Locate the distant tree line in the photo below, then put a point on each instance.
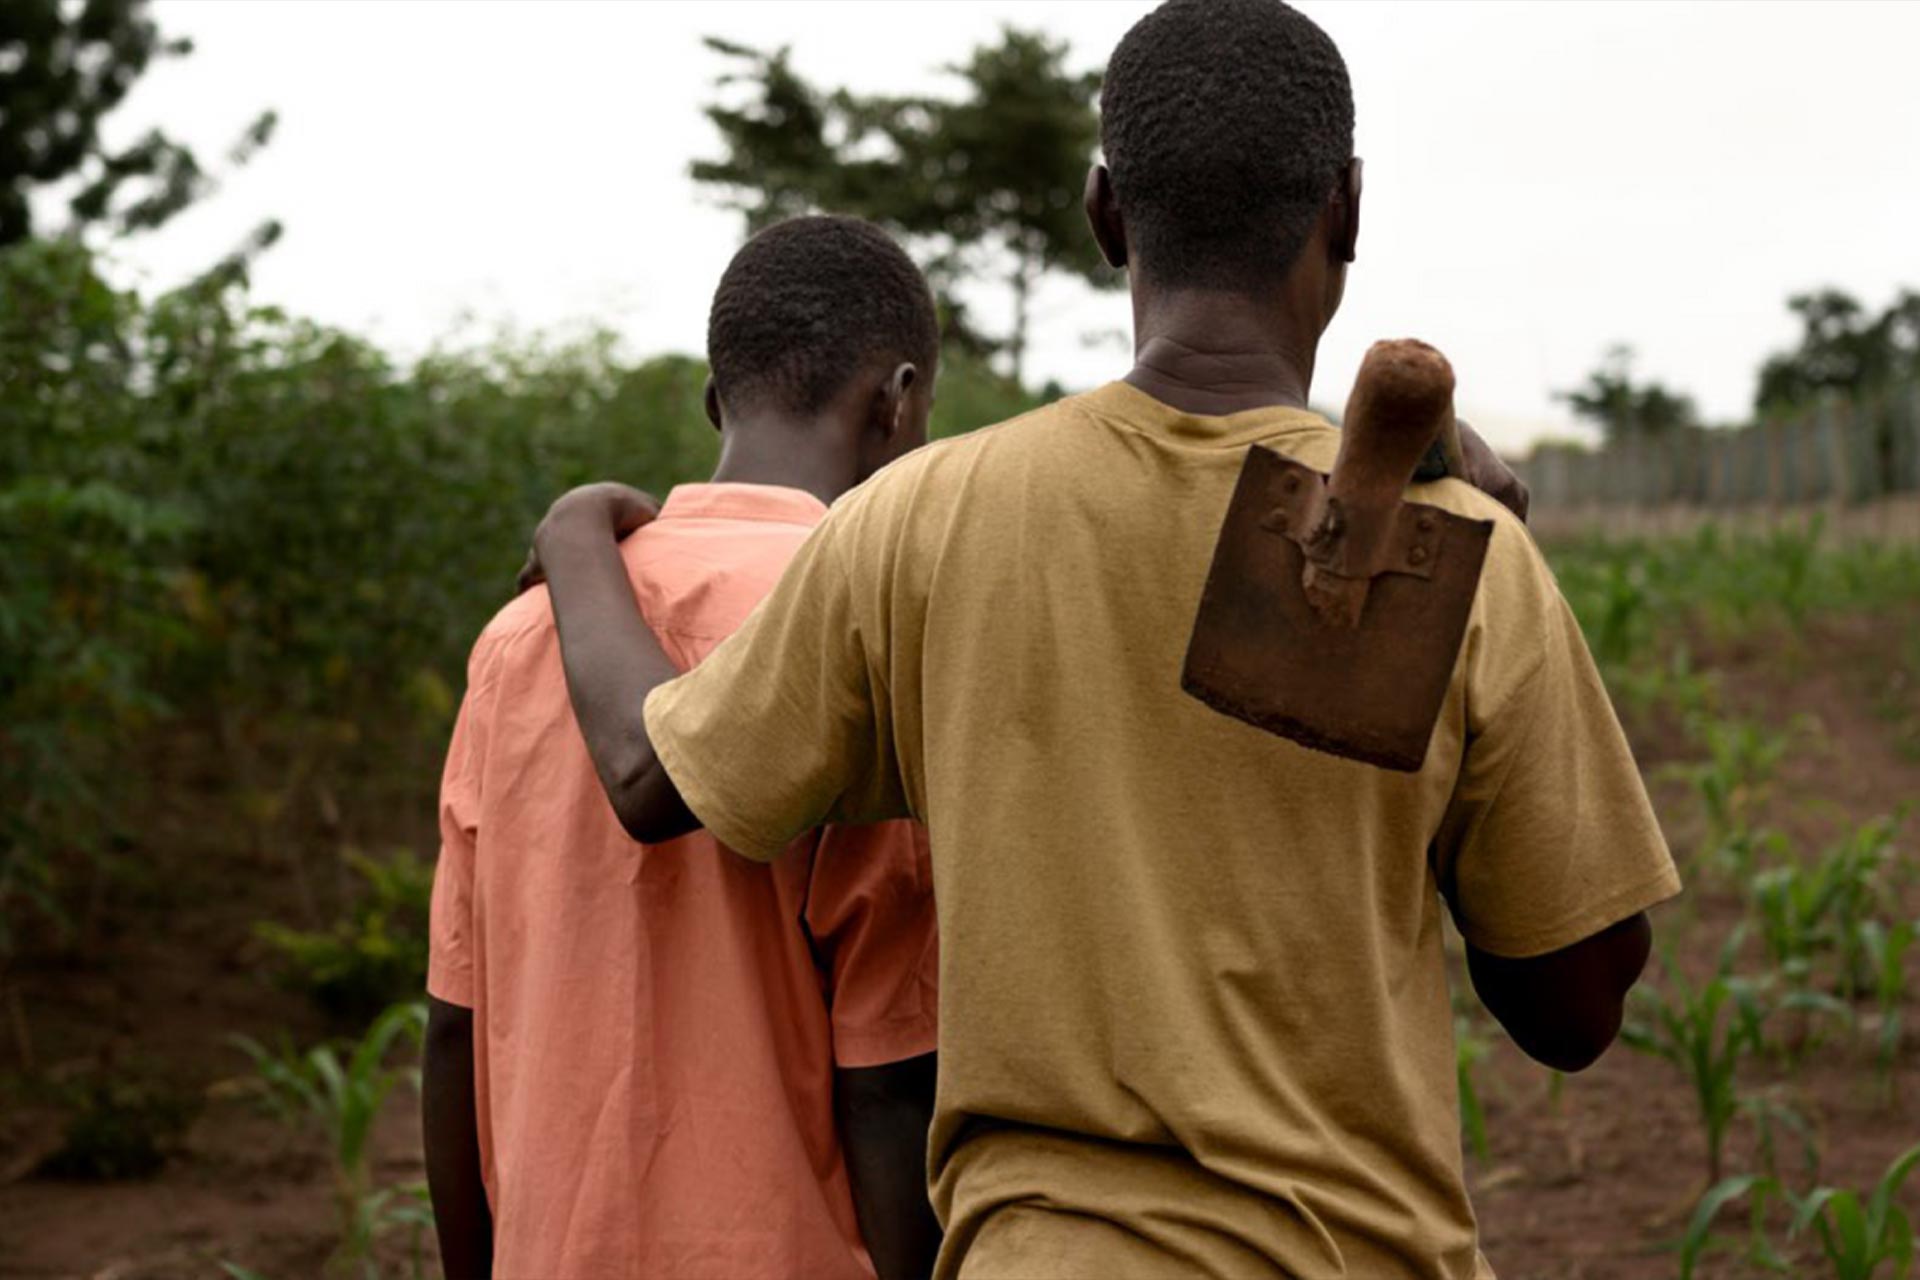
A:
(1845, 349)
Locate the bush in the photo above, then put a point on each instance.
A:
(266, 530)
(119, 1126)
(374, 957)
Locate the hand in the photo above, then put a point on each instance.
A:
(1491, 476)
(615, 508)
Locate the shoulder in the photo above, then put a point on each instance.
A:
(967, 449)
(1519, 619)
(1515, 564)
(528, 616)
(530, 611)
(924, 486)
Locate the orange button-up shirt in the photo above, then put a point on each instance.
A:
(656, 1027)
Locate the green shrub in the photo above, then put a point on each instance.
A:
(1685, 1026)
(119, 1126)
(341, 1097)
(270, 530)
(1862, 1237)
(374, 957)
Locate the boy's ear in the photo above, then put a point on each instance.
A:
(1103, 215)
(712, 398)
(1345, 240)
(891, 400)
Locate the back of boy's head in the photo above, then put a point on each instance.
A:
(808, 303)
(1225, 125)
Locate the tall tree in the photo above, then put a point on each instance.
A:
(992, 179)
(778, 160)
(64, 66)
(1843, 348)
(1623, 408)
(985, 183)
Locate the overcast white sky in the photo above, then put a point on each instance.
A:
(1542, 180)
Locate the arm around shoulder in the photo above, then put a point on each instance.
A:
(612, 661)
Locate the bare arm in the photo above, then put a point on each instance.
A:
(883, 1114)
(612, 659)
(451, 1128)
(1487, 473)
(1564, 1008)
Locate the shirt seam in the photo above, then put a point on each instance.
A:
(1590, 919)
(497, 640)
(718, 819)
(1235, 438)
(859, 1041)
(882, 689)
(1499, 781)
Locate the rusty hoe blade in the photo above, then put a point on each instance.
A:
(1334, 609)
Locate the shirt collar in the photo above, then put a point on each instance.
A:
(774, 503)
(1126, 405)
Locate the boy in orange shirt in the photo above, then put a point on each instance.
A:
(637, 1055)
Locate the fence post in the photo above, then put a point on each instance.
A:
(1839, 420)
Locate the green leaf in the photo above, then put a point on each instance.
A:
(1881, 1201)
(1700, 1225)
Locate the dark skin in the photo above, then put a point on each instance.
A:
(449, 1119)
(1206, 351)
(883, 1114)
(610, 655)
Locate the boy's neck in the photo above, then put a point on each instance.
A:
(786, 452)
(1212, 352)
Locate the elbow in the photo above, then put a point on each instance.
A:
(1571, 1048)
(643, 802)
(631, 807)
(1564, 1009)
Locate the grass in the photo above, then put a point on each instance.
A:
(1706, 1029)
(342, 1096)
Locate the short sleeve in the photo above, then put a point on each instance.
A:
(450, 956)
(870, 911)
(786, 724)
(1549, 837)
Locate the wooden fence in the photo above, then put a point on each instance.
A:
(1843, 454)
(1857, 461)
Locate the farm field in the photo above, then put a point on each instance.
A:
(1771, 689)
(291, 365)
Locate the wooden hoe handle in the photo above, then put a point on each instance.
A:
(1402, 400)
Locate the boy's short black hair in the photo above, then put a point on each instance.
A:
(1225, 125)
(808, 302)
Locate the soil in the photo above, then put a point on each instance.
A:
(1593, 1180)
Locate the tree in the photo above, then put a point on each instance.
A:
(1842, 349)
(1621, 407)
(994, 178)
(987, 183)
(63, 68)
(779, 162)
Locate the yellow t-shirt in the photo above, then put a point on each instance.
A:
(1193, 1010)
